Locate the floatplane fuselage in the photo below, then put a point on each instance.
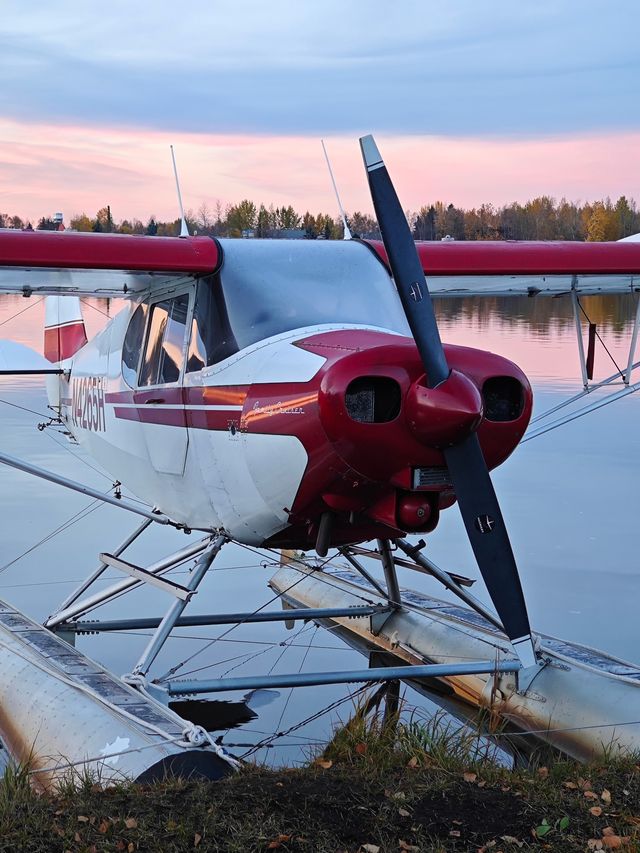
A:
(222, 405)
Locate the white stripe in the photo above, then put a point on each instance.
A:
(176, 406)
(62, 325)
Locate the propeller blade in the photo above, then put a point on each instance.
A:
(405, 264)
(467, 468)
(490, 541)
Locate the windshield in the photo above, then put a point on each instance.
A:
(274, 286)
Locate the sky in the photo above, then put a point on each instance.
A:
(469, 102)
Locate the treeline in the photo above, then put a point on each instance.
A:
(542, 218)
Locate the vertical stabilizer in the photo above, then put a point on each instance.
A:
(64, 332)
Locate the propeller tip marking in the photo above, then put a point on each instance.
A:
(370, 154)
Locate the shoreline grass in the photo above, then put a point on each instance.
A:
(379, 785)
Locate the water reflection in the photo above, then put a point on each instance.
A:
(568, 497)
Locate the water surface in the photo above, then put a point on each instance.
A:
(569, 499)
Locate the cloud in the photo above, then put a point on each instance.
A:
(306, 69)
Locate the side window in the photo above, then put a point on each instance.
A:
(162, 359)
(212, 339)
(132, 345)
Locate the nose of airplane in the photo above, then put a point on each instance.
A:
(443, 416)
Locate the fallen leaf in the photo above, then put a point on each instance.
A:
(510, 839)
(613, 842)
(361, 748)
(278, 842)
(321, 763)
(543, 772)
(120, 845)
(481, 784)
(605, 796)
(77, 837)
(404, 846)
(197, 838)
(82, 818)
(571, 785)
(399, 795)
(131, 823)
(487, 846)
(469, 777)
(370, 848)
(131, 847)
(594, 844)
(454, 833)
(104, 827)
(584, 784)
(590, 795)
(403, 813)
(412, 762)
(596, 811)
(608, 830)
(280, 785)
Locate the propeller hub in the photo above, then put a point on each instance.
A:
(443, 416)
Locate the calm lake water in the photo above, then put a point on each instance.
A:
(570, 499)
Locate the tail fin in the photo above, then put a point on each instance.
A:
(64, 332)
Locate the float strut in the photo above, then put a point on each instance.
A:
(168, 623)
(390, 576)
(303, 679)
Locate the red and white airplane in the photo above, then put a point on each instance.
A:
(296, 393)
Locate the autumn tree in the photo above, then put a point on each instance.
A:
(363, 225)
(81, 222)
(103, 222)
(241, 217)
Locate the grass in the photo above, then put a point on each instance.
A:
(380, 785)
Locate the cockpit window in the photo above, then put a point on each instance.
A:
(163, 355)
(132, 345)
(267, 287)
(211, 337)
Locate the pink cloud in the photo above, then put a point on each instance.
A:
(80, 169)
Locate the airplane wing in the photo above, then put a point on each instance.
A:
(79, 264)
(50, 262)
(513, 268)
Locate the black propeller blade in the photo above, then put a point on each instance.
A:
(469, 474)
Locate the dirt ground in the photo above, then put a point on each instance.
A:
(333, 806)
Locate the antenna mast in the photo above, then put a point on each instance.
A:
(184, 231)
(347, 233)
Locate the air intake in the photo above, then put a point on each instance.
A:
(502, 398)
(373, 399)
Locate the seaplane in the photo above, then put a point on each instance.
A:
(294, 395)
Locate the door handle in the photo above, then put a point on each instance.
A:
(154, 401)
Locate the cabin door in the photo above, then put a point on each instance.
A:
(159, 395)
